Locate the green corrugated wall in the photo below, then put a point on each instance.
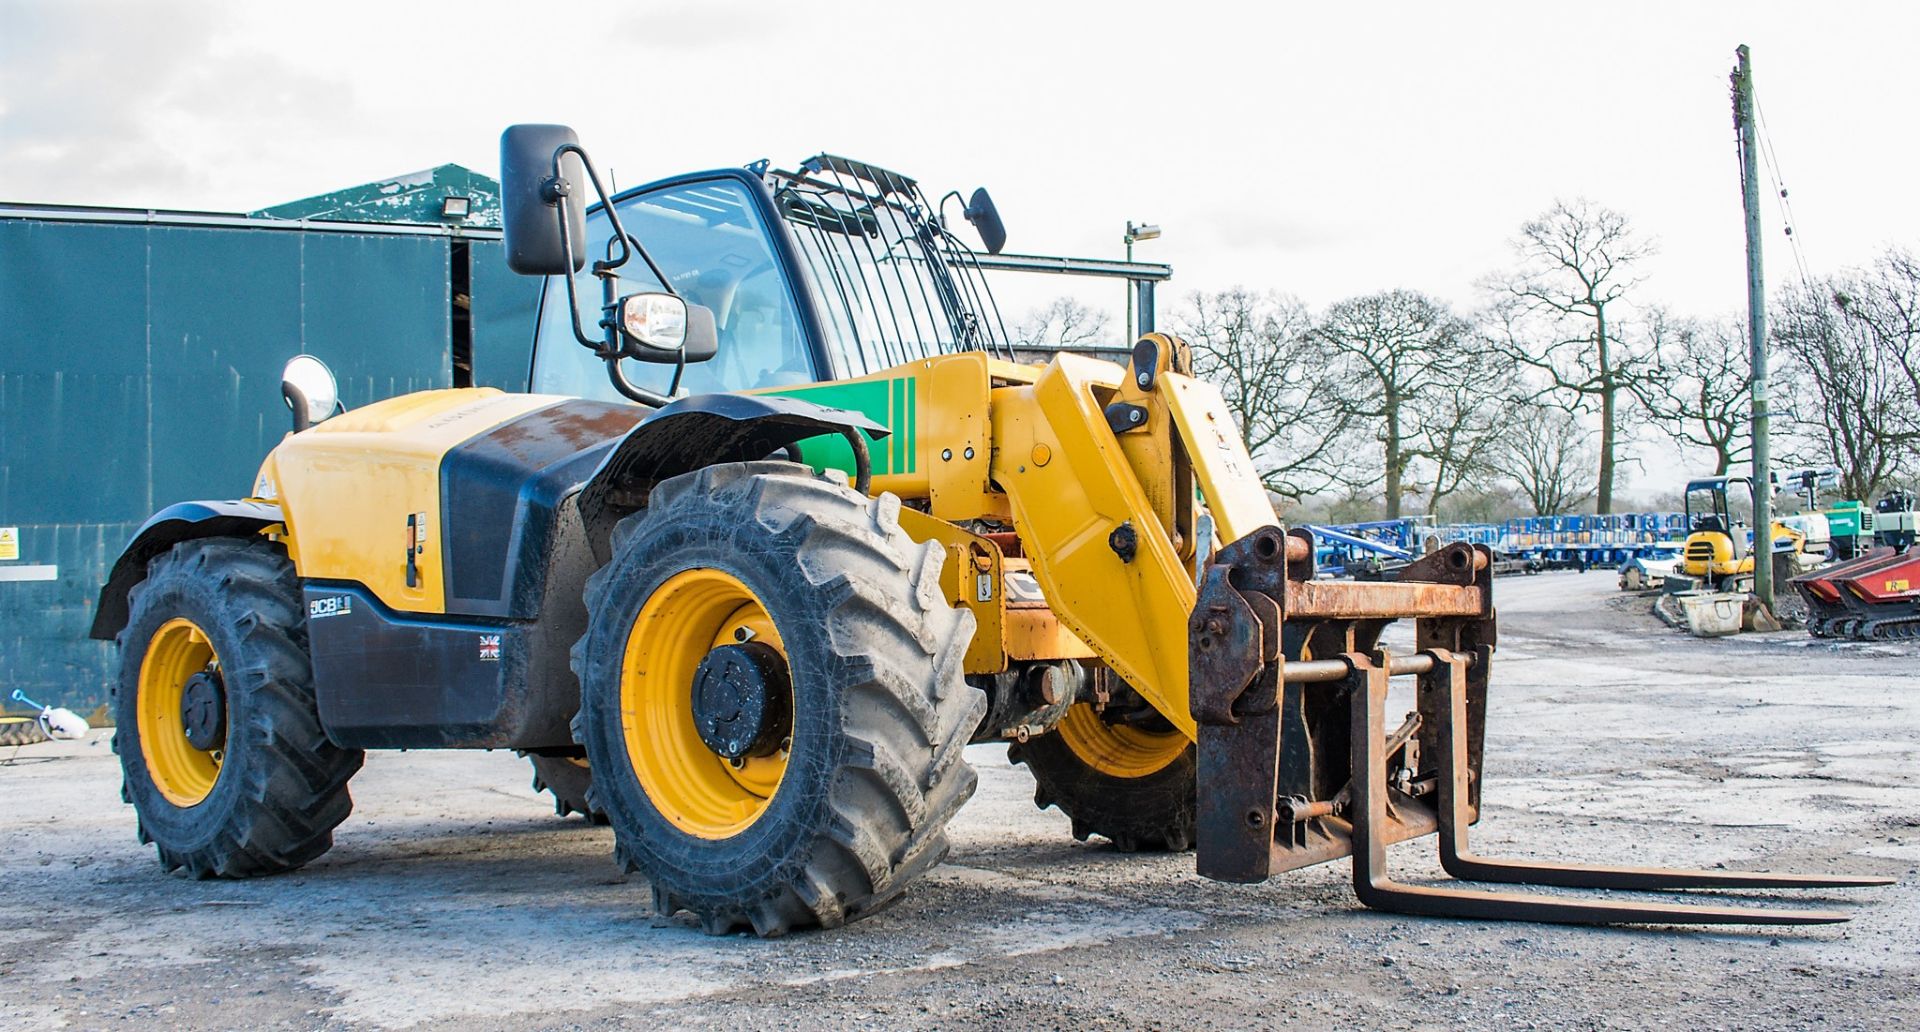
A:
(140, 366)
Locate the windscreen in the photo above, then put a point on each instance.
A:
(1711, 508)
(711, 243)
(891, 282)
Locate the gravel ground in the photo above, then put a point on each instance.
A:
(453, 899)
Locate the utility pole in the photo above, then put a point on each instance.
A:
(1746, 131)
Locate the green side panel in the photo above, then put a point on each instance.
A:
(893, 403)
(1844, 522)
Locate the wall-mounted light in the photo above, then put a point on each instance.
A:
(455, 207)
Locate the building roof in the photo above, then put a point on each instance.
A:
(417, 197)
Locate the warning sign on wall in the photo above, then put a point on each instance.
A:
(9, 542)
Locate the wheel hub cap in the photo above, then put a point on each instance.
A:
(741, 700)
(203, 711)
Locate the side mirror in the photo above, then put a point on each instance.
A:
(986, 221)
(667, 329)
(310, 391)
(539, 209)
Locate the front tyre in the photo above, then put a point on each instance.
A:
(1132, 785)
(772, 699)
(220, 744)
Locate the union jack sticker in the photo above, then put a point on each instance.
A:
(489, 648)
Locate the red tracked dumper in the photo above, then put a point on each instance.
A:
(1873, 597)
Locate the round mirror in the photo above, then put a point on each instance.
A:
(310, 390)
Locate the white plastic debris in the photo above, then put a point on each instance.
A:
(58, 722)
(63, 724)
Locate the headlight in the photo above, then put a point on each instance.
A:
(658, 321)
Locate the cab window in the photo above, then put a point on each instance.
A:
(712, 245)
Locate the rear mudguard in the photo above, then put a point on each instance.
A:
(181, 521)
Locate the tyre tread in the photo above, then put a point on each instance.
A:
(295, 792)
(906, 709)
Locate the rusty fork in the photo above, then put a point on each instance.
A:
(1446, 673)
(1296, 766)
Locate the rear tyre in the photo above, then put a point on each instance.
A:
(570, 780)
(822, 631)
(20, 731)
(1133, 786)
(219, 739)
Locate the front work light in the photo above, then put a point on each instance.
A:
(655, 320)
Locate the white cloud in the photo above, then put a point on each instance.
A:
(1323, 150)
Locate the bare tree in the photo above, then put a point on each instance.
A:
(1461, 427)
(1699, 390)
(1546, 456)
(1064, 324)
(1886, 300)
(1398, 351)
(1256, 348)
(1854, 402)
(1559, 313)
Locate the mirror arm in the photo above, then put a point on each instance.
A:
(606, 203)
(609, 348)
(630, 390)
(940, 210)
(629, 246)
(297, 401)
(599, 347)
(679, 370)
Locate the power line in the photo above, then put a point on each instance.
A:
(1781, 200)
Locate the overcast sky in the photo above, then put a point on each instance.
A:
(1319, 149)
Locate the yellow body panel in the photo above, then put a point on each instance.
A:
(1228, 480)
(1709, 553)
(1132, 614)
(1038, 634)
(953, 436)
(970, 557)
(348, 486)
(1149, 449)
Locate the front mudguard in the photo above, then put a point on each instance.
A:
(692, 433)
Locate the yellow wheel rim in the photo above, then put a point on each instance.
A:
(691, 614)
(183, 774)
(1117, 750)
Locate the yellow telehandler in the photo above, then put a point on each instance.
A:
(773, 539)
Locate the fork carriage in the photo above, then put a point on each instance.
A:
(1289, 690)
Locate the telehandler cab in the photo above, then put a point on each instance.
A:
(770, 544)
